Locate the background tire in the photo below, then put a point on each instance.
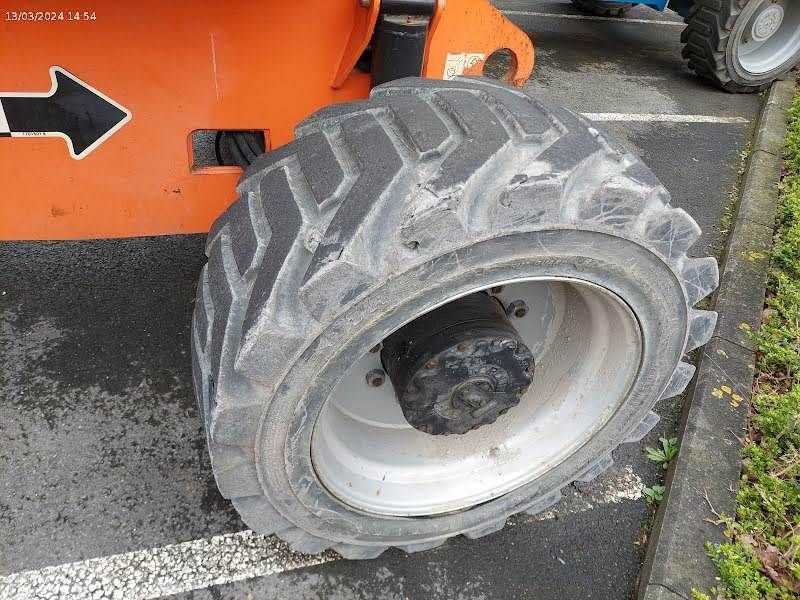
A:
(377, 212)
(736, 45)
(603, 9)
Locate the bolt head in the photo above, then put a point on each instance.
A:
(517, 308)
(375, 377)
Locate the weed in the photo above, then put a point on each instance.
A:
(654, 495)
(664, 454)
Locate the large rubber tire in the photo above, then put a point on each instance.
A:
(603, 9)
(377, 211)
(713, 34)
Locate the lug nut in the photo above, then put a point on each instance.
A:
(376, 377)
(517, 308)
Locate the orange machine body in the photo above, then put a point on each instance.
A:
(179, 67)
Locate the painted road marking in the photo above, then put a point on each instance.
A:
(178, 568)
(157, 572)
(528, 13)
(662, 118)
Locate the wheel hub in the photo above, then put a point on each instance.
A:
(588, 348)
(767, 23)
(458, 367)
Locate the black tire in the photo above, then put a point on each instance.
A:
(377, 207)
(603, 9)
(714, 30)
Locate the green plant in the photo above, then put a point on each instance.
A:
(654, 495)
(761, 560)
(664, 454)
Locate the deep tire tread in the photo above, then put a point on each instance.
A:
(297, 202)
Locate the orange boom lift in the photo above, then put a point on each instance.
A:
(175, 68)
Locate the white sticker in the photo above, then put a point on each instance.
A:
(456, 64)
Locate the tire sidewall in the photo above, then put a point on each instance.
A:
(624, 266)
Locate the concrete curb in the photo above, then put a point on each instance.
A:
(706, 472)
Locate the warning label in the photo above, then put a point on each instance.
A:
(456, 64)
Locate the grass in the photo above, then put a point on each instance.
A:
(761, 559)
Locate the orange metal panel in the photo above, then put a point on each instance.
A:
(363, 26)
(176, 67)
(179, 67)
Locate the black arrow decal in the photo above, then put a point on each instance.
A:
(72, 109)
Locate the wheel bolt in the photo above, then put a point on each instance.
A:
(517, 308)
(376, 377)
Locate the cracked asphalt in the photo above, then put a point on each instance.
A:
(101, 450)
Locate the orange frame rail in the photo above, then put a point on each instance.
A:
(181, 67)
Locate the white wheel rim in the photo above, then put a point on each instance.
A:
(588, 347)
(770, 37)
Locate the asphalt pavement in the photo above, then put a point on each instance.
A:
(101, 451)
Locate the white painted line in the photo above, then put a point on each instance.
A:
(527, 13)
(157, 572)
(178, 568)
(662, 118)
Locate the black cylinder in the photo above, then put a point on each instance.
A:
(399, 47)
(459, 366)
